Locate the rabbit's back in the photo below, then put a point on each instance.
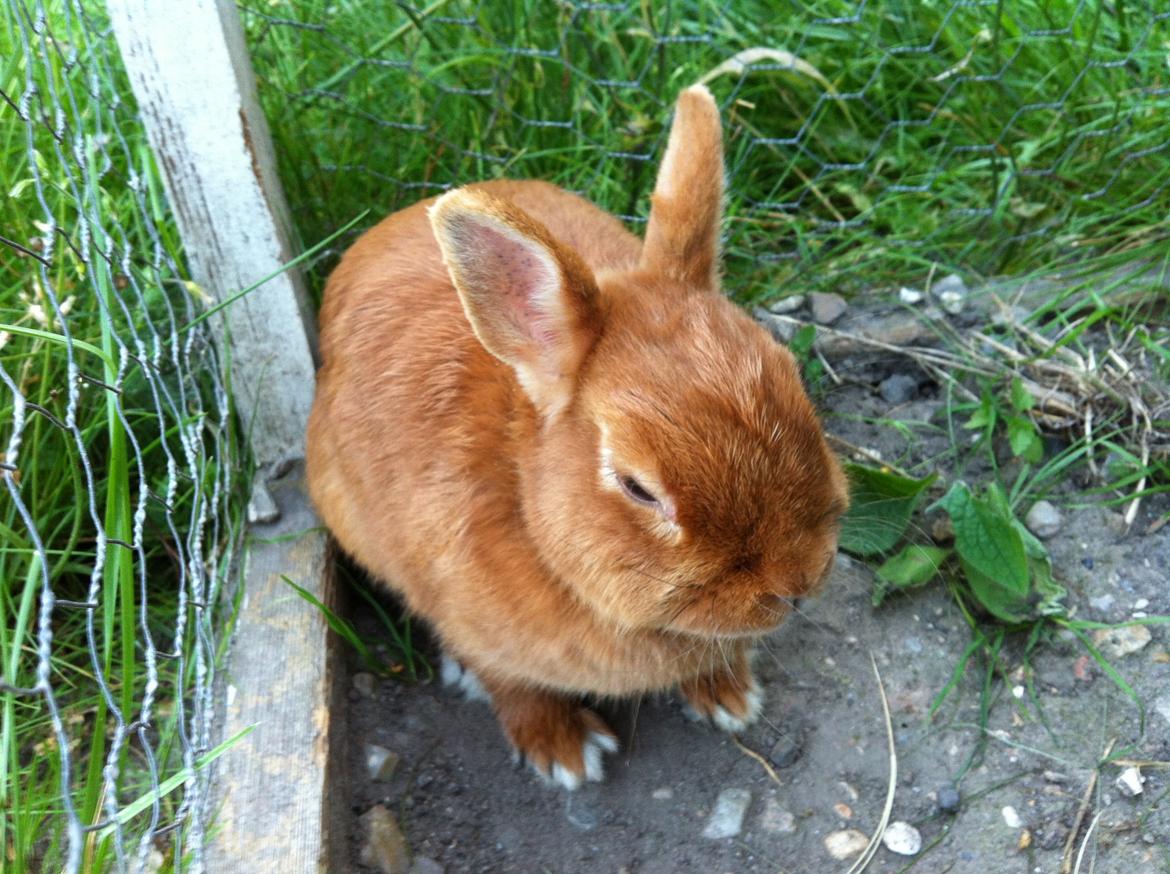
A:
(409, 436)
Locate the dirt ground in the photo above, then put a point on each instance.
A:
(988, 801)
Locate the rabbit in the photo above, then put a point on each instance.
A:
(593, 474)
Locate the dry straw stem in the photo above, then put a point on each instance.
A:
(1066, 866)
(874, 842)
(1072, 392)
(750, 753)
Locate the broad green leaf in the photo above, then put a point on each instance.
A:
(914, 566)
(1006, 567)
(880, 508)
(986, 539)
(1021, 398)
(984, 417)
(1024, 439)
(1000, 602)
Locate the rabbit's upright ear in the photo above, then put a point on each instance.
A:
(531, 301)
(682, 237)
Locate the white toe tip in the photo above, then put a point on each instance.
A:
(564, 777)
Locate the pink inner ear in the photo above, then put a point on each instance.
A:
(520, 279)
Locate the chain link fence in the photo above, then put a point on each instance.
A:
(120, 507)
(870, 143)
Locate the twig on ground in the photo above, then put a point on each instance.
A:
(874, 842)
(1066, 866)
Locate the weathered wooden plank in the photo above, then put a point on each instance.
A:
(189, 69)
(274, 815)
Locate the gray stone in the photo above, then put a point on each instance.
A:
(910, 296)
(583, 808)
(949, 799)
(423, 865)
(364, 683)
(951, 282)
(826, 308)
(262, 507)
(1162, 706)
(1044, 520)
(726, 820)
(385, 847)
(380, 762)
(899, 388)
(776, 819)
(1102, 603)
(786, 305)
(786, 752)
(781, 330)
(951, 293)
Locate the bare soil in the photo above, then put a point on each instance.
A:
(1029, 739)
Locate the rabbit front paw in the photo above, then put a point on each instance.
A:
(561, 740)
(732, 699)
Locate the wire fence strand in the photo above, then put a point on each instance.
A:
(120, 469)
(869, 143)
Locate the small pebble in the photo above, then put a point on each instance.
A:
(385, 847)
(843, 810)
(1011, 817)
(1018, 692)
(1102, 603)
(900, 388)
(726, 820)
(364, 683)
(952, 283)
(942, 529)
(1119, 642)
(776, 819)
(1141, 603)
(902, 838)
(583, 808)
(826, 308)
(910, 296)
(1129, 782)
(781, 330)
(1088, 562)
(1055, 777)
(949, 799)
(380, 762)
(785, 752)
(1162, 707)
(788, 304)
(262, 507)
(663, 794)
(845, 844)
(1044, 520)
(951, 301)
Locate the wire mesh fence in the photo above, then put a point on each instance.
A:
(120, 509)
(870, 142)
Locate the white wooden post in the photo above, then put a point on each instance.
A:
(189, 69)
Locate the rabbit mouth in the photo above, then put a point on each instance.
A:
(755, 617)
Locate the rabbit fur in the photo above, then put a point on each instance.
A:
(590, 472)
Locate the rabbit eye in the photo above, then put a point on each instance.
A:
(636, 492)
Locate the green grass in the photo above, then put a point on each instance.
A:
(1029, 136)
(136, 448)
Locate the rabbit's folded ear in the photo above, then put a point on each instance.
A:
(531, 301)
(682, 236)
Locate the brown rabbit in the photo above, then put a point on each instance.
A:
(591, 472)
